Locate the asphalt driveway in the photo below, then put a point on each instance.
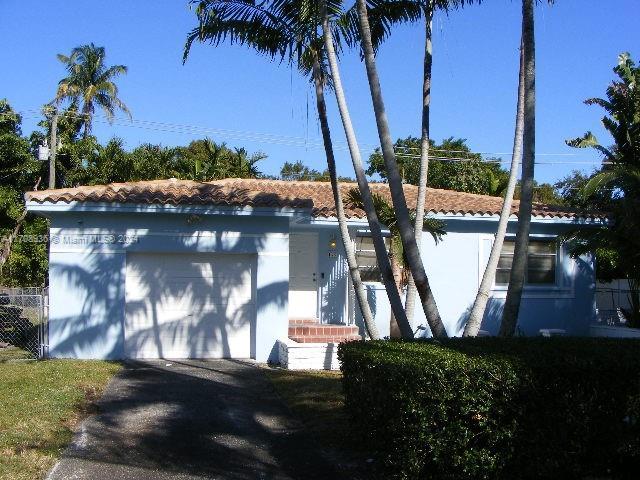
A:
(191, 420)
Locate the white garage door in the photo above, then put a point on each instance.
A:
(188, 306)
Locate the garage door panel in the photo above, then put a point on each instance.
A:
(188, 306)
(192, 303)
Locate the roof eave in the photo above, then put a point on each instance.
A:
(46, 208)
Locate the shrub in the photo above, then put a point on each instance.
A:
(496, 408)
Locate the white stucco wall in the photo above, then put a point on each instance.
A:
(455, 267)
(87, 273)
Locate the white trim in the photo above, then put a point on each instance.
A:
(557, 290)
(544, 219)
(172, 233)
(549, 292)
(271, 254)
(482, 237)
(95, 251)
(302, 215)
(115, 207)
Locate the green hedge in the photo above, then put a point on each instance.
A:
(497, 408)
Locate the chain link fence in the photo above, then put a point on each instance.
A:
(23, 320)
(613, 301)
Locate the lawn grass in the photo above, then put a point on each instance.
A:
(13, 353)
(40, 403)
(316, 398)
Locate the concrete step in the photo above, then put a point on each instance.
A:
(324, 338)
(303, 321)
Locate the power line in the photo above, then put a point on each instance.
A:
(284, 140)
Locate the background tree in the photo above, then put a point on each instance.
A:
(616, 187)
(452, 166)
(90, 83)
(299, 171)
(19, 171)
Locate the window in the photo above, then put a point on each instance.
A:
(366, 258)
(541, 263)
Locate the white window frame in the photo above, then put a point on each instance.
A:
(357, 251)
(563, 287)
(555, 255)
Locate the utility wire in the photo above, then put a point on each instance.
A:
(275, 139)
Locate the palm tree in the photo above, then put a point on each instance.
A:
(91, 83)
(474, 321)
(244, 165)
(285, 30)
(519, 265)
(616, 187)
(387, 216)
(386, 272)
(407, 234)
(381, 15)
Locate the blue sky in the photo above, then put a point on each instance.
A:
(231, 88)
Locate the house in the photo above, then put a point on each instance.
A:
(183, 269)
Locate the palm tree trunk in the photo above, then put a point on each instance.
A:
(374, 225)
(480, 304)
(396, 268)
(410, 303)
(409, 244)
(361, 294)
(53, 149)
(519, 266)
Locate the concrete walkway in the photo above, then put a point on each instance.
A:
(191, 420)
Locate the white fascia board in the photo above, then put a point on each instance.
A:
(514, 218)
(333, 221)
(474, 217)
(60, 207)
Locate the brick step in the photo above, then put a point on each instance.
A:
(318, 329)
(304, 321)
(324, 338)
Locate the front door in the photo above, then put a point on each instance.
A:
(303, 281)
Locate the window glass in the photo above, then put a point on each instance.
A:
(366, 258)
(541, 262)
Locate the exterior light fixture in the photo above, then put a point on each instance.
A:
(43, 152)
(332, 242)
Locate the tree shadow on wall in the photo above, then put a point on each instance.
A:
(198, 305)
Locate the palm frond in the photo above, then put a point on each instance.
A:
(435, 227)
(244, 22)
(589, 140)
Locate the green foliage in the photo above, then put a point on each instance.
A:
(452, 166)
(27, 265)
(9, 120)
(387, 216)
(492, 408)
(299, 171)
(202, 160)
(287, 31)
(19, 171)
(90, 83)
(463, 171)
(542, 193)
(615, 188)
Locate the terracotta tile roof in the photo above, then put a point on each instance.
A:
(315, 196)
